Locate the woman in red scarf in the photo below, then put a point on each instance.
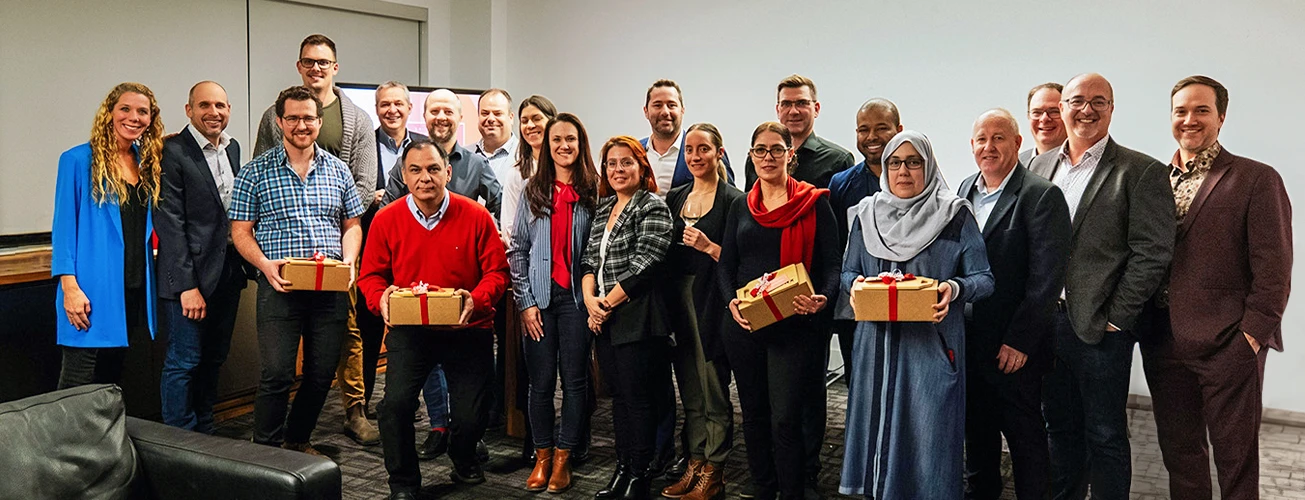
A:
(781, 221)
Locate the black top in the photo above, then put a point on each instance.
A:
(710, 307)
(817, 162)
(133, 211)
(750, 250)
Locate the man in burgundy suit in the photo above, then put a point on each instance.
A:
(1228, 286)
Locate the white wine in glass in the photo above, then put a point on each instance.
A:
(690, 213)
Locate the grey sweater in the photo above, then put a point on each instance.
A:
(357, 149)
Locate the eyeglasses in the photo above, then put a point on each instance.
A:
(760, 152)
(1038, 113)
(296, 120)
(800, 103)
(308, 63)
(622, 164)
(912, 163)
(1099, 104)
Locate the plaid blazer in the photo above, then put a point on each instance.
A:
(638, 242)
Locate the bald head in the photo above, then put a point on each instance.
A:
(996, 145)
(443, 112)
(998, 119)
(206, 85)
(1089, 79)
(1086, 106)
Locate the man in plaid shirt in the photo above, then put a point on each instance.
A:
(295, 200)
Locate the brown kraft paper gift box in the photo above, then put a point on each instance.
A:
(326, 275)
(768, 299)
(443, 306)
(894, 298)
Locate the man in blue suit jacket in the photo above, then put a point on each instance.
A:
(200, 272)
(663, 105)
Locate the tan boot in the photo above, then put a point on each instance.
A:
(561, 480)
(686, 482)
(358, 428)
(710, 484)
(538, 480)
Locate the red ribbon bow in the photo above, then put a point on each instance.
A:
(891, 279)
(320, 259)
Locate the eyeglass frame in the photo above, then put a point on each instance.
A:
(904, 163)
(769, 152)
(800, 103)
(1083, 103)
(294, 121)
(314, 63)
(1038, 113)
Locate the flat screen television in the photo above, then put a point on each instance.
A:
(364, 95)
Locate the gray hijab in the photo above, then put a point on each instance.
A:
(897, 229)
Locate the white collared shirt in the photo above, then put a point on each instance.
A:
(663, 165)
(984, 201)
(428, 222)
(1073, 179)
(218, 163)
(500, 160)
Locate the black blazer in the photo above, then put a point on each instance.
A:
(1027, 236)
(634, 249)
(710, 307)
(1122, 239)
(190, 222)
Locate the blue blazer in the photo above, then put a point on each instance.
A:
(682, 175)
(530, 256)
(87, 243)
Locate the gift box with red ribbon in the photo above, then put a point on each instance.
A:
(426, 305)
(768, 299)
(893, 296)
(317, 273)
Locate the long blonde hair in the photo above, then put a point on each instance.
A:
(106, 182)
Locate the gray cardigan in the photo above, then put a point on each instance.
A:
(358, 144)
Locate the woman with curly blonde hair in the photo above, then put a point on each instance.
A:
(102, 225)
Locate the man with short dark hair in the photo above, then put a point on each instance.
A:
(1122, 211)
(797, 108)
(1223, 303)
(435, 236)
(1045, 125)
(663, 106)
(200, 273)
(345, 132)
(295, 200)
(1025, 226)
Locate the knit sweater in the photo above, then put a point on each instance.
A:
(463, 251)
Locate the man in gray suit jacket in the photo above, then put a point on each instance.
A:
(1045, 125)
(1122, 213)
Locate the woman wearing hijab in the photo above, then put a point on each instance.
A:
(906, 421)
(781, 221)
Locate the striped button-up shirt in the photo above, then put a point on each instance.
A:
(296, 217)
(1073, 179)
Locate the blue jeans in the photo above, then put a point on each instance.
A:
(196, 351)
(436, 393)
(564, 349)
(1084, 399)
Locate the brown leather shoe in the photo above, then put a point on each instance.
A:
(711, 484)
(357, 428)
(538, 480)
(686, 482)
(561, 480)
(302, 448)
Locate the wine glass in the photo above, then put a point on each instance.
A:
(691, 213)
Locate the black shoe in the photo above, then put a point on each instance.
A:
(749, 490)
(678, 468)
(659, 464)
(617, 485)
(403, 495)
(482, 452)
(811, 493)
(437, 442)
(468, 473)
(637, 488)
(579, 456)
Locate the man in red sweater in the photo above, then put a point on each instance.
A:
(446, 240)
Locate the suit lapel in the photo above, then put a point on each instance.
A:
(233, 156)
(1221, 166)
(196, 153)
(1007, 200)
(1104, 166)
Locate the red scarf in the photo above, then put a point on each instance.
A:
(564, 198)
(797, 217)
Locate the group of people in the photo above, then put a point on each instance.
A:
(1052, 264)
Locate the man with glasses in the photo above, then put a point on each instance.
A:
(817, 159)
(1045, 126)
(1122, 213)
(295, 200)
(345, 133)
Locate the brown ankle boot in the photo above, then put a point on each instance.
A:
(538, 480)
(686, 482)
(561, 480)
(710, 484)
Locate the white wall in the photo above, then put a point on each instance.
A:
(943, 63)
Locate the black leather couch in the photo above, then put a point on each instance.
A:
(79, 443)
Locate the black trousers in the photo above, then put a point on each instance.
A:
(633, 373)
(467, 356)
(1009, 404)
(320, 319)
(775, 370)
(106, 365)
(372, 330)
(815, 412)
